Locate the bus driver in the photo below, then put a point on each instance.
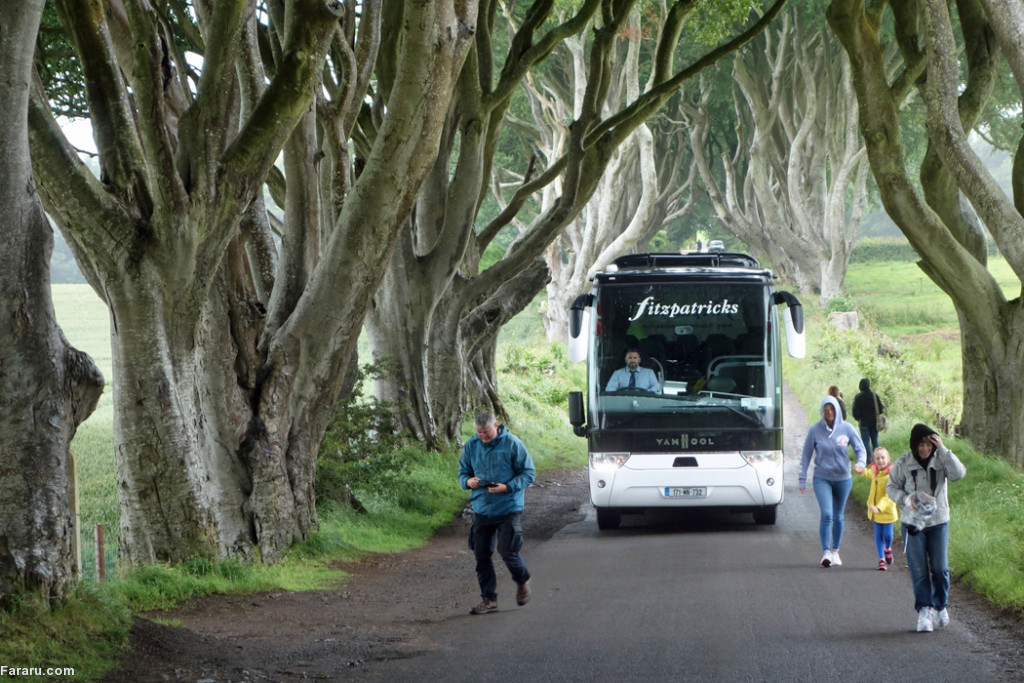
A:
(633, 376)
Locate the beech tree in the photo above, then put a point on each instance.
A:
(646, 186)
(438, 313)
(793, 185)
(47, 388)
(228, 356)
(954, 66)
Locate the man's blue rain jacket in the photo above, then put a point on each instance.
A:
(504, 460)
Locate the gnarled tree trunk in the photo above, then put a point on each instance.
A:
(227, 370)
(991, 326)
(47, 388)
(794, 187)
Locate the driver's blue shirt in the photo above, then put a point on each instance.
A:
(645, 379)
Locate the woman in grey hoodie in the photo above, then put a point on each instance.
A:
(917, 484)
(829, 441)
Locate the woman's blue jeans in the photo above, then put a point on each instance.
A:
(928, 561)
(831, 497)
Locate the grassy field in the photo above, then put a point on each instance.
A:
(900, 302)
(86, 324)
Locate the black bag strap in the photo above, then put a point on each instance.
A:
(933, 475)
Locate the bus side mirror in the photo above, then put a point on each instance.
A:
(793, 317)
(579, 321)
(796, 343)
(576, 414)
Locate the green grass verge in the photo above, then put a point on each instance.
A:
(86, 634)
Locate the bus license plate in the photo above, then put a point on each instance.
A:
(686, 492)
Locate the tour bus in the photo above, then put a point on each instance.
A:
(708, 433)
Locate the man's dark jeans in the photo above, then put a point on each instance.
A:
(508, 532)
(869, 435)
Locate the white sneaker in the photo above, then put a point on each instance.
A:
(826, 559)
(836, 562)
(941, 618)
(924, 620)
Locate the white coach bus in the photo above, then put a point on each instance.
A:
(710, 433)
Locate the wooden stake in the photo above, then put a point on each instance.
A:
(101, 570)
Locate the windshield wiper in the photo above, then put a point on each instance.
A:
(744, 414)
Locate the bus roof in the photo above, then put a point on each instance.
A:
(693, 259)
(711, 265)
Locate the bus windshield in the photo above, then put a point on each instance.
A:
(705, 354)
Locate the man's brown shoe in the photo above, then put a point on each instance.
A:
(523, 594)
(485, 607)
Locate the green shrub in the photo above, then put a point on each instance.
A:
(840, 303)
(525, 360)
(88, 632)
(881, 249)
(363, 445)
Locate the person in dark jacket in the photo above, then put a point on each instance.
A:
(866, 415)
(497, 468)
(917, 483)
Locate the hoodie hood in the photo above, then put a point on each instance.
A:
(865, 384)
(834, 402)
(918, 434)
(830, 446)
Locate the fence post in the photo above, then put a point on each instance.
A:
(101, 569)
(76, 515)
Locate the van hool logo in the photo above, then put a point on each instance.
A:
(651, 307)
(685, 441)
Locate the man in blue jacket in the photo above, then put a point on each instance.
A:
(497, 468)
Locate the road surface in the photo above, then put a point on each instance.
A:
(681, 597)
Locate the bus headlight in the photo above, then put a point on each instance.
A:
(763, 459)
(606, 462)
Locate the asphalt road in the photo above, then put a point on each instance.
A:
(706, 597)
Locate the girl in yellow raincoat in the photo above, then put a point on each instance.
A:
(882, 510)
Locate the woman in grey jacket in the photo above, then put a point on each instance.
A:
(829, 441)
(917, 483)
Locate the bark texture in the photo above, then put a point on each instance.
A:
(47, 388)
